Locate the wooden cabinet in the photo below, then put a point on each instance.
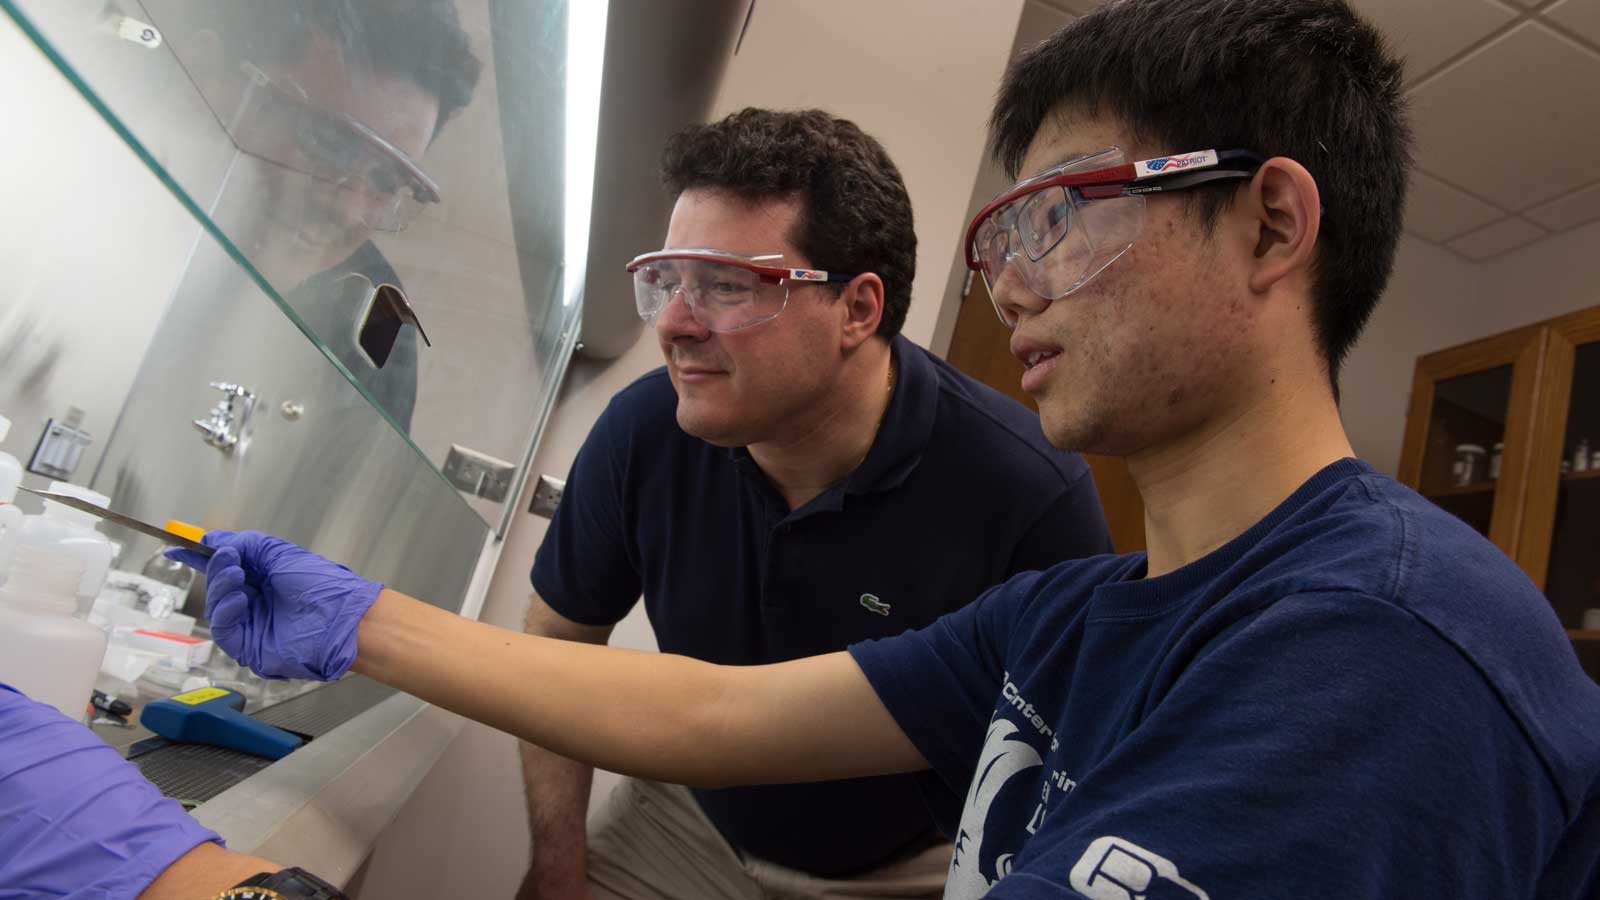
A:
(1504, 432)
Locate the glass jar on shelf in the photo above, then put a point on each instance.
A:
(1468, 466)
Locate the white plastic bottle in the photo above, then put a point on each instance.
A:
(45, 652)
(10, 515)
(66, 530)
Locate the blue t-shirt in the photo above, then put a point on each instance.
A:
(959, 492)
(1359, 697)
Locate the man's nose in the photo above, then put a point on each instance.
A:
(1014, 298)
(676, 319)
(355, 205)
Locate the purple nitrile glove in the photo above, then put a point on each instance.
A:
(76, 819)
(279, 609)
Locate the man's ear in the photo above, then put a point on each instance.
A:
(1286, 212)
(863, 308)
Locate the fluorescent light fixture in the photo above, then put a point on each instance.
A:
(586, 46)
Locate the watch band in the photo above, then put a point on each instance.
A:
(285, 884)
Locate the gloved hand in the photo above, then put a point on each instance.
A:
(76, 819)
(279, 609)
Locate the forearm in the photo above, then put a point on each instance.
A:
(205, 872)
(639, 713)
(657, 716)
(558, 804)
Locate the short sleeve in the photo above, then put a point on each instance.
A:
(1071, 527)
(1331, 746)
(586, 569)
(939, 682)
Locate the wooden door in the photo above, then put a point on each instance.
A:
(979, 348)
(1469, 405)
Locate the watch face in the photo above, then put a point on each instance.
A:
(249, 893)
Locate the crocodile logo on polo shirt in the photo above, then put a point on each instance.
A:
(872, 604)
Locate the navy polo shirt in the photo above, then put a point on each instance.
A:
(959, 491)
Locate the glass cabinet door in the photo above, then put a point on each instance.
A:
(1469, 431)
(1563, 522)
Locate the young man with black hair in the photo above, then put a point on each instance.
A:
(1315, 684)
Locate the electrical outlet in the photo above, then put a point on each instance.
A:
(479, 474)
(547, 496)
(60, 446)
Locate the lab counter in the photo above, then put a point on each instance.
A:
(323, 806)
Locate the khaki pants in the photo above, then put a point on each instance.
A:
(651, 841)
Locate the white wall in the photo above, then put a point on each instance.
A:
(918, 76)
(1437, 300)
(1432, 302)
(1038, 22)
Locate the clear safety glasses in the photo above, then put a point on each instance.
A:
(280, 124)
(1059, 229)
(724, 292)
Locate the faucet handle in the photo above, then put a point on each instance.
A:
(231, 389)
(228, 425)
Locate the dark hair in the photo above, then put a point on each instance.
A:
(855, 213)
(1305, 79)
(421, 41)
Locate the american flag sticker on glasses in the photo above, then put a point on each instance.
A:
(1163, 164)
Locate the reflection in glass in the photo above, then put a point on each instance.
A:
(284, 125)
(339, 100)
(340, 145)
(1466, 435)
(333, 104)
(387, 312)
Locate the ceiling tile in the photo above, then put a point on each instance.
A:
(1569, 211)
(1428, 32)
(1493, 240)
(1439, 212)
(1511, 122)
(1582, 16)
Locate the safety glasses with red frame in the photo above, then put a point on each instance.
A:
(1059, 229)
(724, 291)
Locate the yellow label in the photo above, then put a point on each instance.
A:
(196, 697)
(184, 529)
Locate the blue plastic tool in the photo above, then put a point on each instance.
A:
(215, 715)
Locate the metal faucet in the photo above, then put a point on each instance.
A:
(229, 421)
